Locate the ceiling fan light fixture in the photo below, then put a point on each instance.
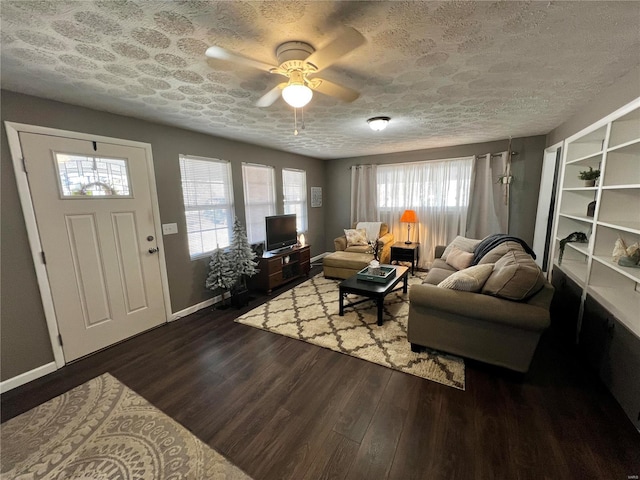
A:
(378, 124)
(297, 95)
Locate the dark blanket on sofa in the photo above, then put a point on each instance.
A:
(492, 241)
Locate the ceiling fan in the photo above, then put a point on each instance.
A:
(299, 62)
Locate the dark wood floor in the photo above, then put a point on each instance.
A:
(283, 409)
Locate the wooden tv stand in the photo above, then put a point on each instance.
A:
(276, 269)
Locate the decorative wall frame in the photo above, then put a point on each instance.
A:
(316, 196)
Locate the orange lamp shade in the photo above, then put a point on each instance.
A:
(409, 216)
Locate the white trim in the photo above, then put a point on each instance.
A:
(629, 107)
(27, 377)
(24, 193)
(164, 277)
(34, 240)
(319, 257)
(198, 306)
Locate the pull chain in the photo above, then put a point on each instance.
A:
(295, 120)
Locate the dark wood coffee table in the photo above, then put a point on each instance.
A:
(372, 290)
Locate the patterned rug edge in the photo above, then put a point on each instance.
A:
(57, 440)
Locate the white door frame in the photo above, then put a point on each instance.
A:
(24, 192)
(552, 192)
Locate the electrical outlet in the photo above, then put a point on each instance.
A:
(169, 228)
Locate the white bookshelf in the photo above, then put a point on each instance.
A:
(613, 146)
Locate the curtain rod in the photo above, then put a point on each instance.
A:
(496, 154)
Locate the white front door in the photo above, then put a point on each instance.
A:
(93, 209)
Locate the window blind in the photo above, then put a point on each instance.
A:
(208, 203)
(294, 186)
(259, 198)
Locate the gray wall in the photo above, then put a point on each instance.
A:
(526, 168)
(25, 343)
(623, 91)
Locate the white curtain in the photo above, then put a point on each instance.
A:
(439, 193)
(489, 205)
(364, 200)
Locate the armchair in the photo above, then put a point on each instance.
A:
(385, 240)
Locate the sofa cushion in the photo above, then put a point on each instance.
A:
(439, 263)
(463, 243)
(359, 249)
(354, 261)
(436, 275)
(468, 280)
(459, 259)
(516, 276)
(495, 254)
(356, 236)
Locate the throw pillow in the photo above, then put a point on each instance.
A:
(516, 276)
(463, 243)
(468, 280)
(459, 259)
(495, 254)
(356, 237)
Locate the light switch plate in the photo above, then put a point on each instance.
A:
(169, 228)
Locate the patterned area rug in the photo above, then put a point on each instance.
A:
(103, 430)
(309, 312)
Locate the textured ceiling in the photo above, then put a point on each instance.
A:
(447, 73)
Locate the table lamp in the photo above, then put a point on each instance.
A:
(409, 217)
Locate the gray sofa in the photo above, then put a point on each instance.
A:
(483, 326)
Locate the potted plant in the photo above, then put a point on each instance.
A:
(589, 176)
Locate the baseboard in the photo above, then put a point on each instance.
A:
(198, 306)
(27, 377)
(218, 298)
(319, 257)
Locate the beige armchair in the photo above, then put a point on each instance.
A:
(385, 240)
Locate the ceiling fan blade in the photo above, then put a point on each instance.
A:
(222, 54)
(347, 41)
(326, 87)
(271, 96)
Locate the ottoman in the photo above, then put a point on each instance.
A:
(345, 264)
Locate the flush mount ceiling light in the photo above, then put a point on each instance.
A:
(378, 124)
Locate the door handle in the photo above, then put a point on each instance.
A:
(153, 250)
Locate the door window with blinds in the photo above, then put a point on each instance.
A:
(294, 187)
(259, 198)
(208, 203)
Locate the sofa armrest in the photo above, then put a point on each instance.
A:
(386, 239)
(479, 306)
(439, 250)
(340, 243)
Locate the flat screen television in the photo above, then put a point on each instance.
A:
(281, 231)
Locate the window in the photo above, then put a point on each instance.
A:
(437, 190)
(433, 184)
(259, 198)
(82, 176)
(208, 203)
(294, 186)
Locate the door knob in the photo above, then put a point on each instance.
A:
(153, 250)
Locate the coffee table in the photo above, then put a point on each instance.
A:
(372, 290)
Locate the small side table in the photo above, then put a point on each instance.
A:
(403, 252)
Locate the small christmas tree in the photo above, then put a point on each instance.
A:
(241, 257)
(221, 274)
